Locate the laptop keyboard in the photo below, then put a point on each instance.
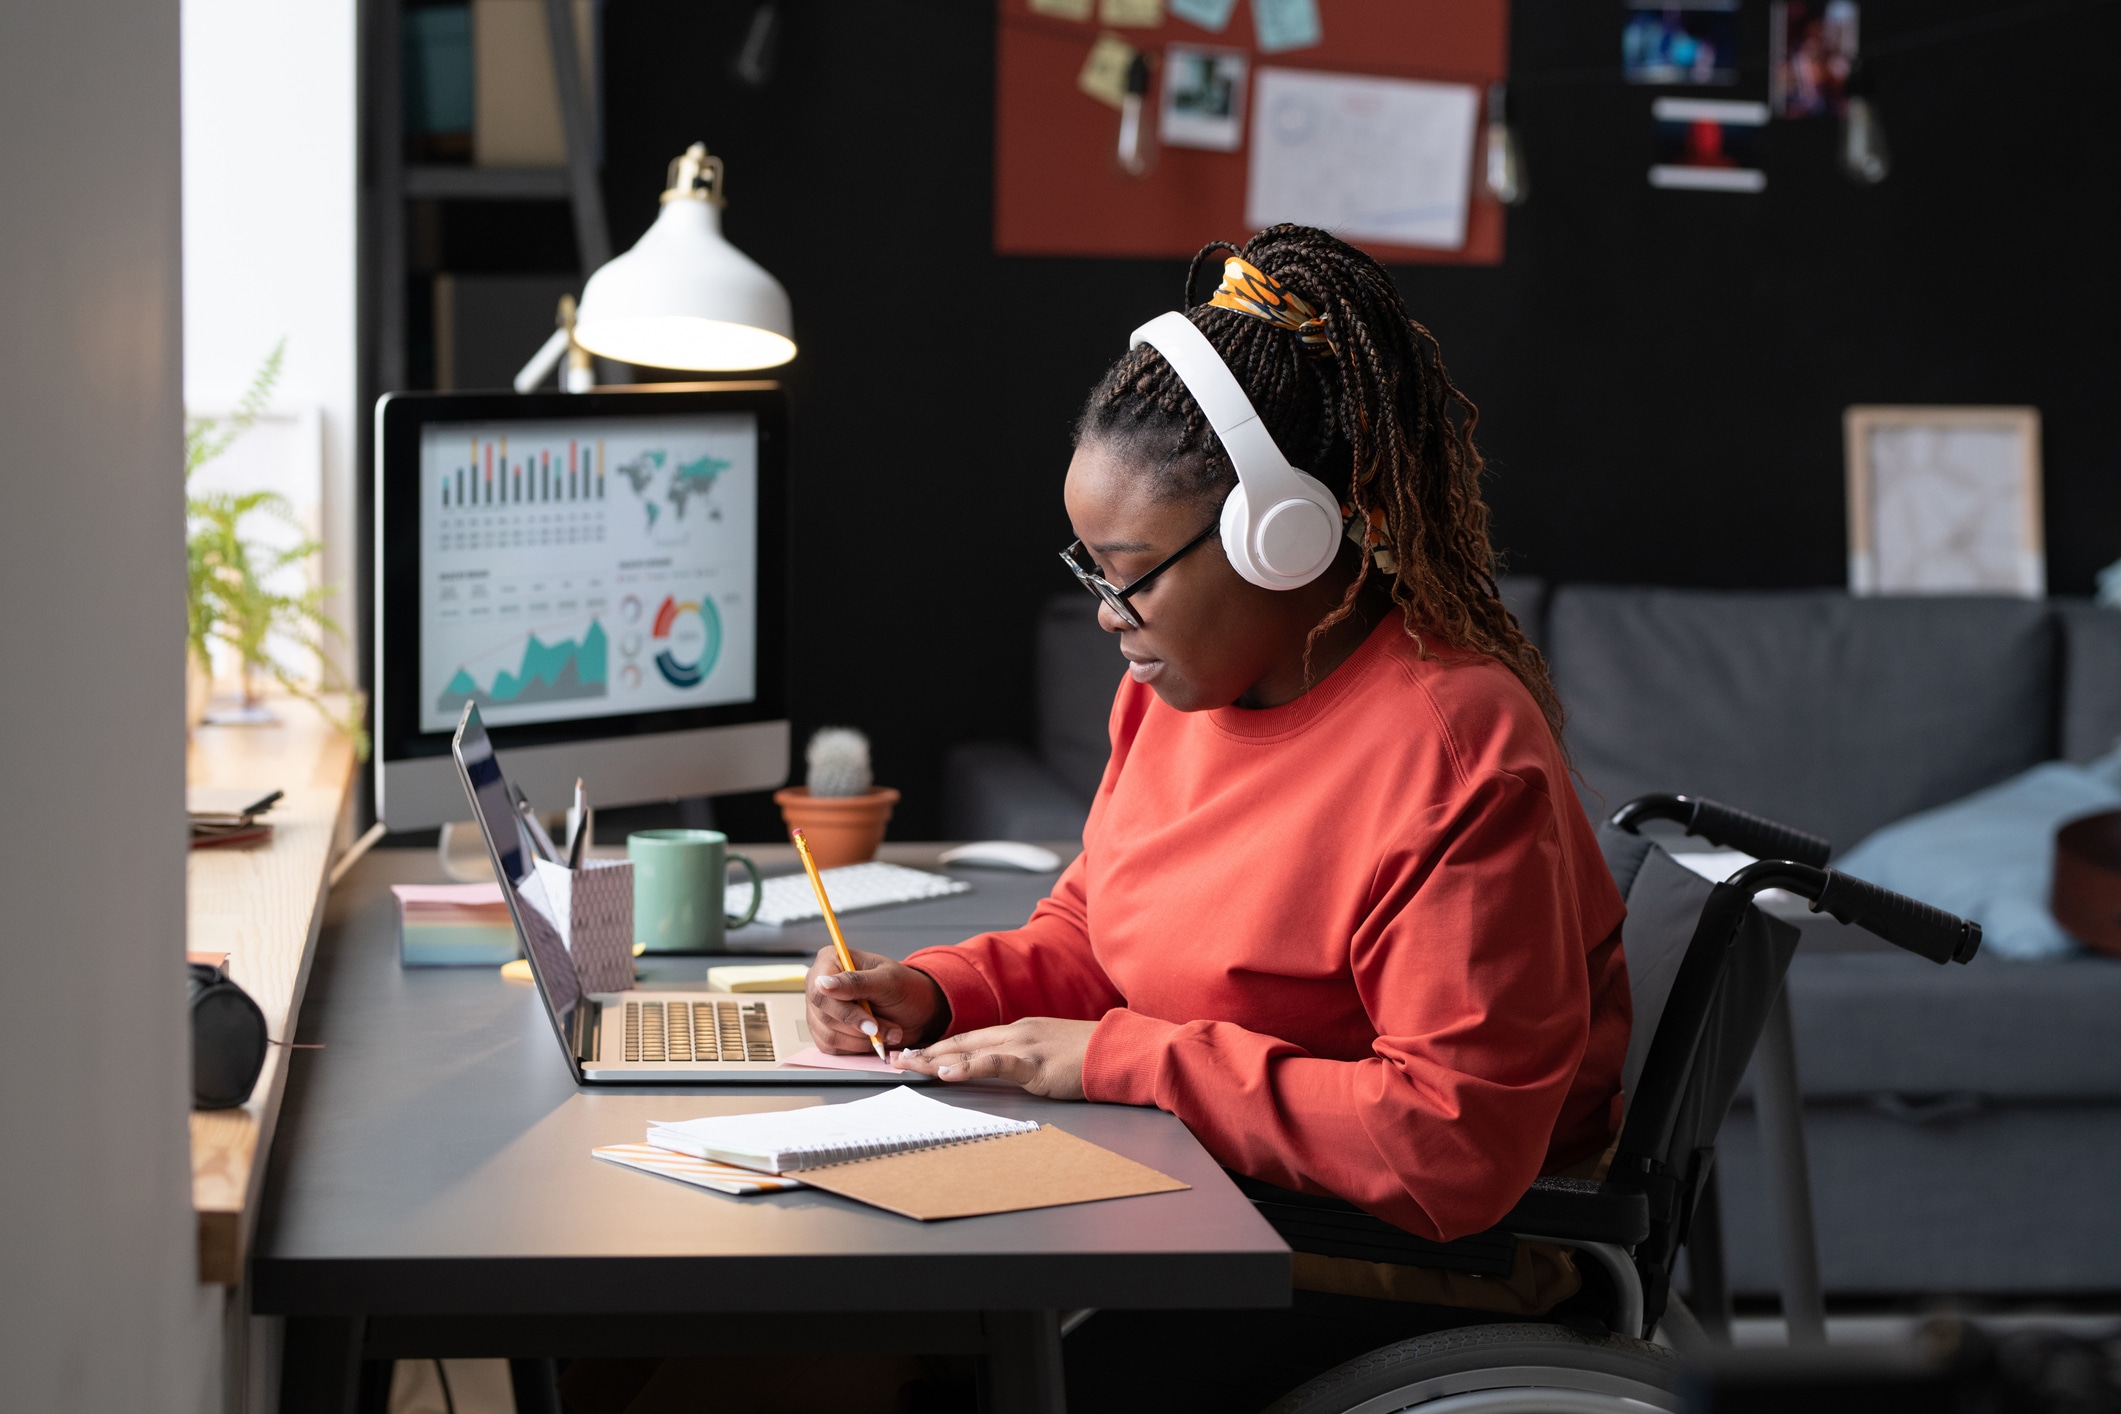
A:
(660, 1032)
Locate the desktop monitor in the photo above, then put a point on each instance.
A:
(603, 574)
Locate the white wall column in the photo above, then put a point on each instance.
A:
(100, 1309)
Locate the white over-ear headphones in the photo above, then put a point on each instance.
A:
(1280, 526)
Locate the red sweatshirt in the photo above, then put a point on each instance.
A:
(1363, 944)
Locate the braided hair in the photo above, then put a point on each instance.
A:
(1373, 416)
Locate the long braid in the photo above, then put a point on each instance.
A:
(1375, 417)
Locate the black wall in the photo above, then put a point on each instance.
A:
(1661, 374)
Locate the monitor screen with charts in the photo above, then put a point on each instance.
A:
(602, 575)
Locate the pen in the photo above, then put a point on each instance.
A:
(832, 924)
(539, 840)
(577, 826)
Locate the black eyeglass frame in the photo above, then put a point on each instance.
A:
(1118, 599)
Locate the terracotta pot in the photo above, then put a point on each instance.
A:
(840, 829)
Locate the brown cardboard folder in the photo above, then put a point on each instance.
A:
(1047, 1169)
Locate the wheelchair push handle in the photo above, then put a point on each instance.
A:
(1728, 826)
(1902, 921)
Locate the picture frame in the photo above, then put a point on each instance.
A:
(1944, 500)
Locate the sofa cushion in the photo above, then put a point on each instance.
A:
(1525, 596)
(1991, 856)
(1871, 1024)
(2091, 678)
(1079, 669)
(1829, 713)
(996, 790)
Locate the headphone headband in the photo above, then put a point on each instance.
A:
(1261, 468)
(1280, 526)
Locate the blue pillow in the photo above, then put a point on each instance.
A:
(1991, 856)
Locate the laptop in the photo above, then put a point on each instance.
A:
(634, 1037)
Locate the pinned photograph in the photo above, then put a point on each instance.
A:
(1708, 144)
(1686, 43)
(1811, 52)
(1204, 98)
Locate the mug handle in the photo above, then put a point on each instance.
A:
(758, 890)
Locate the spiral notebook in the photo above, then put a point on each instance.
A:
(916, 1156)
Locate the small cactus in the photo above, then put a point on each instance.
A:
(839, 762)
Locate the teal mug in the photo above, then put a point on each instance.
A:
(679, 877)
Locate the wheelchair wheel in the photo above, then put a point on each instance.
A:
(1526, 1368)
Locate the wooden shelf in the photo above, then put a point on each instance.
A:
(262, 905)
(486, 183)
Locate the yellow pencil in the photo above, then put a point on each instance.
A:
(839, 939)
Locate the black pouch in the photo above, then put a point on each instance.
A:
(227, 1040)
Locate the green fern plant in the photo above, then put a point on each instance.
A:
(228, 599)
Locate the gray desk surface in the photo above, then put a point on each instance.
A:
(434, 1160)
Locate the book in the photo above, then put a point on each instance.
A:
(920, 1158)
(453, 925)
(722, 1178)
(793, 1141)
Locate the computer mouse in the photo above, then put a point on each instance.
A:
(1003, 854)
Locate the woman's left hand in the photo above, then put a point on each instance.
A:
(1044, 1054)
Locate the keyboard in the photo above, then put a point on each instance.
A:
(851, 887)
(698, 1031)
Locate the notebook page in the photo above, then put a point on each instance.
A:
(785, 1141)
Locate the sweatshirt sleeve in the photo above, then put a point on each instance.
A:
(1045, 968)
(1471, 966)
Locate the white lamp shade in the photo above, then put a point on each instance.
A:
(686, 298)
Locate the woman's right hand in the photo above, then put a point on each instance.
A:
(909, 1006)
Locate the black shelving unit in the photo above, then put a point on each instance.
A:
(394, 187)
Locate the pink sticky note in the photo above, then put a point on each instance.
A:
(812, 1058)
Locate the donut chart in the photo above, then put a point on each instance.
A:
(688, 639)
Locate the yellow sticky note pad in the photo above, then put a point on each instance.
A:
(771, 977)
(1131, 14)
(1104, 75)
(1062, 9)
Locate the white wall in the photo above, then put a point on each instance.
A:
(270, 137)
(100, 1309)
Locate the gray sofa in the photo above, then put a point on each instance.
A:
(1964, 1124)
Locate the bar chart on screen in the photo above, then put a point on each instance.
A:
(582, 569)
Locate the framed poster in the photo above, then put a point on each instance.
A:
(1945, 500)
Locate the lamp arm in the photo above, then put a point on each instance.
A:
(543, 362)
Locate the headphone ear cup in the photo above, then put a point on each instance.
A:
(1236, 536)
(1297, 537)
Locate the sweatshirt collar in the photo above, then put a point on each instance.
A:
(1273, 723)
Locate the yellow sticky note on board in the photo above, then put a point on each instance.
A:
(1062, 9)
(1131, 14)
(1104, 75)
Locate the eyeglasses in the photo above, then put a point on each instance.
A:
(1116, 598)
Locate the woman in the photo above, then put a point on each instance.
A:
(1338, 908)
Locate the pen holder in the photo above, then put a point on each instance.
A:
(592, 907)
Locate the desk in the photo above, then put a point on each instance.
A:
(431, 1193)
(260, 903)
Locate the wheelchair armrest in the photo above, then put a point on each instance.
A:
(1556, 1209)
(1581, 1210)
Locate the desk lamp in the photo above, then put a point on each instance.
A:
(683, 297)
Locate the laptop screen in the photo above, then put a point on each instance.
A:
(508, 847)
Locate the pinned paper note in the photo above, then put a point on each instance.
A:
(1131, 14)
(1286, 24)
(1104, 75)
(1208, 14)
(1062, 9)
(1366, 158)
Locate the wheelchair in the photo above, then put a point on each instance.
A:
(1706, 970)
